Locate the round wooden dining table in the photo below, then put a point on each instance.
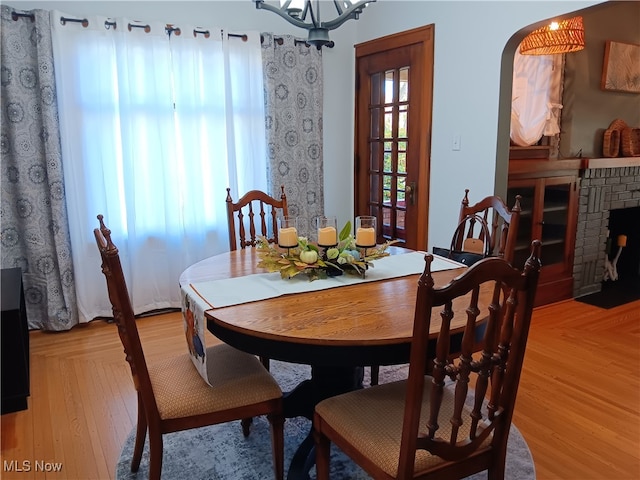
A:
(361, 324)
(336, 331)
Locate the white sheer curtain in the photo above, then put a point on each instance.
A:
(536, 97)
(154, 128)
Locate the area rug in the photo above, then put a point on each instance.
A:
(220, 452)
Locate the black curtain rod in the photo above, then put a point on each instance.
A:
(169, 29)
(16, 15)
(83, 21)
(147, 28)
(243, 36)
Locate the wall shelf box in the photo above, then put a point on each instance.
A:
(537, 152)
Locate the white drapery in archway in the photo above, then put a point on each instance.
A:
(536, 98)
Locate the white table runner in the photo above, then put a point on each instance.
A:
(261, 286)
(198, 297)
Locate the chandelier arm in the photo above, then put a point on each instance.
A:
(318, 30)
(350, 13)
(314, 20)
(294, 21)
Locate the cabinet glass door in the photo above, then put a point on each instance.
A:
(546, 205)
(554, 222)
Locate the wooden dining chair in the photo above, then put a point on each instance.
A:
(488, 227)
(172, 396)
(241, 217)
(455, 422)
(244, 233)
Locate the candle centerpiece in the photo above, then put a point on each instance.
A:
(341, 256)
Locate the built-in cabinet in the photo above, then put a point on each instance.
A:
(549, 191)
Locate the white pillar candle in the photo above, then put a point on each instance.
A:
(288, 237)
(327, 237)
(366, 237)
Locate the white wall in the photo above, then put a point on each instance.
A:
(469, 41)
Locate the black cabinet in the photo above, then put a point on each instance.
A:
(15, 342)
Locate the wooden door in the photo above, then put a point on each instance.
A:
(394, 84)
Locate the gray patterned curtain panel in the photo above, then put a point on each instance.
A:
(34, 228)
(293, 96)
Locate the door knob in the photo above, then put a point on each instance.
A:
(410, 191)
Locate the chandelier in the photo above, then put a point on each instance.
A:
(564, 36)
(297, 11)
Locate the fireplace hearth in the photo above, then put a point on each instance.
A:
(609, 207)
(624, 242)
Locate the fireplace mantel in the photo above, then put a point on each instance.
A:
(613, 162)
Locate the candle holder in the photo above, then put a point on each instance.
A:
(366, 231)
(287, 232)
(327, 231)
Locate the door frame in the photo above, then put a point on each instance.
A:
(425, 36)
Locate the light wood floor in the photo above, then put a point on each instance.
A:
(578, 404)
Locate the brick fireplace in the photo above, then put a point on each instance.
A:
(606, 185)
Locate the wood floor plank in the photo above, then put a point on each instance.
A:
(578, 405)
(579, 400)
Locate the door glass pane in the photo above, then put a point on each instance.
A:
(402, 162)
(386, 196)
(400, 219)
(388, 160)
(374, 187)
(388, 86)
(374, 160)
(388, 124)
(387, 182)
(404, 85)
(375, 123)
(403, 123)
(376, 88)
(388, 167)
(386, 218)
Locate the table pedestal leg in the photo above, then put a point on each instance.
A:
(325, 382)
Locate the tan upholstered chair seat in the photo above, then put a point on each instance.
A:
(180, 391)
(371, 421)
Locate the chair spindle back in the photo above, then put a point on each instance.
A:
(242, 221)
(494, 372)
